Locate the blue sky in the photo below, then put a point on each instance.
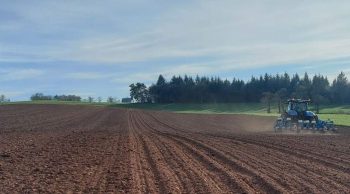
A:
(97, 48)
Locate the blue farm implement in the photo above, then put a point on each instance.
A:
(298, 117)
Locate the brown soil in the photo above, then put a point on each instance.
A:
(69, 149)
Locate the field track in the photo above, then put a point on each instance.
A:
(57, 148)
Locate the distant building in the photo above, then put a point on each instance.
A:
(126, 100)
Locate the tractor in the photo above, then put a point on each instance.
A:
(298, 117)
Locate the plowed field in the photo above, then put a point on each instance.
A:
(69, 149)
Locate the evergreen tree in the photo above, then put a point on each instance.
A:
(340, 89)
(266, 87)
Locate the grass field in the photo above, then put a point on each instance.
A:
(339, 113)
(222, 108)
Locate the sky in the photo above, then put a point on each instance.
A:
(97, 48)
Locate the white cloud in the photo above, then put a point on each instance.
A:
(19, 74)
(217, 36)
(256, 34)
(86, 75)
(259, 35)
(11, 94)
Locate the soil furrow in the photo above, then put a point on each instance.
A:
(169, 150)
(85, 149)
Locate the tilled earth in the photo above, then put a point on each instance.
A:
(69, 149)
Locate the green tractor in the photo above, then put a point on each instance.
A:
(298, 117)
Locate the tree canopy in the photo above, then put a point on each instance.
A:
(139, 92)
(41, 96)
(186, 89)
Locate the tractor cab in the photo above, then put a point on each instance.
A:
(298, 110)
(297, 106)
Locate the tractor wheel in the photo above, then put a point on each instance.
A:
(300, 126)
(276, 127)
(290, 125)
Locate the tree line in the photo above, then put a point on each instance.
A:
(75, 98)
(264, 88)
(41, 96)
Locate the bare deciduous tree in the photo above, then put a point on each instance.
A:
(90, 99)
(2, 98)
(111, 100)
(267, 98)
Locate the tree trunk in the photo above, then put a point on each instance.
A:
(279, 106)
(317, 108)
(268, 107)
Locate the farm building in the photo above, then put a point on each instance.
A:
(126, 100)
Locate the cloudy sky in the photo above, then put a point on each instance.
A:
(97, 48)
